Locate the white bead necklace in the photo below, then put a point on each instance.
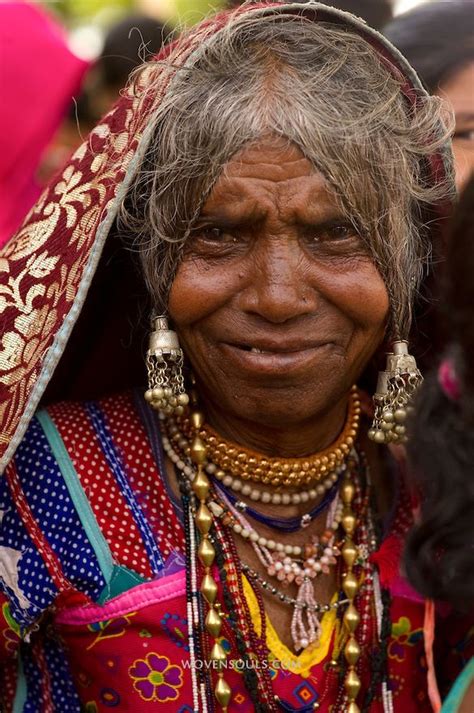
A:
(305, 624)
(240, 486)
(242, 528)
(275, 498)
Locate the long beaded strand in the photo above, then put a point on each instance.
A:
(350, 587)
(357, 553)
(259, 685)
(381, 602)
(190, 590)
(206, 554)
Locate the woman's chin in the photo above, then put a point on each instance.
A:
(281, 407)
(278, 390)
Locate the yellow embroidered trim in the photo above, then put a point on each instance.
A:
(302, 663)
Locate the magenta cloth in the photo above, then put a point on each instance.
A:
(448, 380)
(39, 76)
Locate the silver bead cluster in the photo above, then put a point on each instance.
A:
(395, 390)
(164, 362)
(392, 426)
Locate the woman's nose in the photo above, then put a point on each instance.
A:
(278, 288)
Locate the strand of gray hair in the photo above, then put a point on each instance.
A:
(324, 89)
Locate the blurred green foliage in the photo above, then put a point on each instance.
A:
(77, 10)
(192, 11)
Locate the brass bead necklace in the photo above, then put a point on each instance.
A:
(291, 472)
(206, 554)
(350, 586)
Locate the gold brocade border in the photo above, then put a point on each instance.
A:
(47, 267)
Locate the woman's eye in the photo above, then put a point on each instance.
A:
(464, 135)
(215, 235)
(334, 233)
(341, 232)
(212, 233)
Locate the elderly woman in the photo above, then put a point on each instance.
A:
(236, 547)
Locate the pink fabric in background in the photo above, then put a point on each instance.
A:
(39, 76)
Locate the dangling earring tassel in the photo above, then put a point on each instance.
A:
(395, 389)
(164, 362)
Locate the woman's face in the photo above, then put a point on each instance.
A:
(459, 91)
(277, 304)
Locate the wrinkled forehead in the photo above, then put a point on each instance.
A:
(270, 172)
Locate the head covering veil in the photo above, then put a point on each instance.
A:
(47, 269)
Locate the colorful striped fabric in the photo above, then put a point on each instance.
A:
(93, 611)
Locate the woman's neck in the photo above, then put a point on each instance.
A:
(294, 440)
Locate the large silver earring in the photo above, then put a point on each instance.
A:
(395, 389)
(164, 361)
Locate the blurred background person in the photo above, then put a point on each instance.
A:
(437, 38)
(39, 77)
(439, 557)
(376, 13)
(129, 42)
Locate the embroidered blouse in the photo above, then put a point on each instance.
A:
(93, 611)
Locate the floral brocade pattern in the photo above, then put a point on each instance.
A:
(52, 259)
(43, 266)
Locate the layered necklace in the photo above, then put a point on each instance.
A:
(214, 476)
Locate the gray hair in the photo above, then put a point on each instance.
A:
(326, 90)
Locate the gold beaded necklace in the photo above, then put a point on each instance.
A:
(247, 464)
(206, 553)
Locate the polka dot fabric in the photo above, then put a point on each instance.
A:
(63, 694)
(14, 536)
(42, 494)
(119, 469)
(112, 513)
(38, 687)
(53, 509)
(39, 521)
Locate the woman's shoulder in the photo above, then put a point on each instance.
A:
(84, 495)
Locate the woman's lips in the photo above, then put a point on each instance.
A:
(274, 361)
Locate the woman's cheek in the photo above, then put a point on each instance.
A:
(359, 292)
(463, 163)
(198, 290)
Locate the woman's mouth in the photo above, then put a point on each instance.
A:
(275, 359)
